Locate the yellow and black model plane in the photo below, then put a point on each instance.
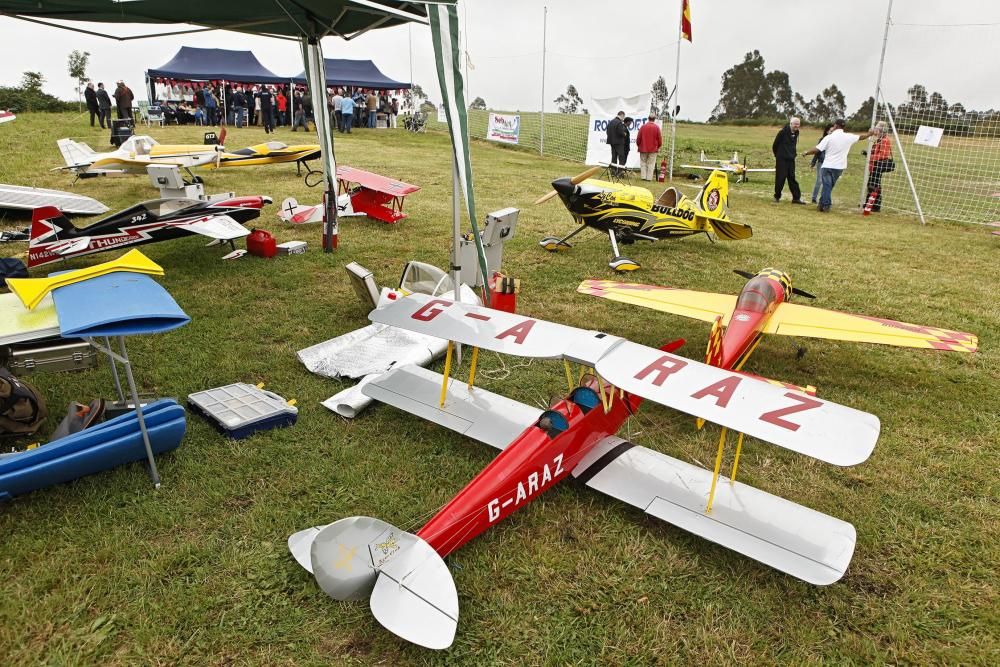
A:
(628, 213)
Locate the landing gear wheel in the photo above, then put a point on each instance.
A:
(622, 264)
(553, 244)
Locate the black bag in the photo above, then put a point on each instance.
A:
(22, 408)
(11, 267)
(888, 165)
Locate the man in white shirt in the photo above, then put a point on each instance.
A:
(835, 146)
(337, 115)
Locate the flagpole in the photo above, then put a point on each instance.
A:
(676, 96)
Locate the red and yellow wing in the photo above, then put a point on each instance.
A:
(705, 306)
(791, 319)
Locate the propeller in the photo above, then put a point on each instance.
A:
(576, 180)
(795, 290)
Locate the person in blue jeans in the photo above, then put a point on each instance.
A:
(835, 146)
(346, 114)
(817, 164)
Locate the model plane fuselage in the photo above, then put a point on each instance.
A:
(757, 302)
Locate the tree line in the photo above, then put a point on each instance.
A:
(751, 94)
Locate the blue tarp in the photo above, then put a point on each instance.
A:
(194, 64)
(361, 73)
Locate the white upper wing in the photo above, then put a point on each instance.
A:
(827, 431)
(220, 227)
(487, 328)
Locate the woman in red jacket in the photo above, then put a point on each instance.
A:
(282, 103)
(879, 162)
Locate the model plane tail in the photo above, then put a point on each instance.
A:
(713, 198)
(76, 154)
(409, 587)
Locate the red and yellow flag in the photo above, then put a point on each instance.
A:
(686, 20)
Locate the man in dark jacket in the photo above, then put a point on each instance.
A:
(123, 99)
(103, 105)
(267, 109)
(618, 140)
(784, 149)
(90, 96)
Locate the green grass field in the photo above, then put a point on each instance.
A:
(106, 570)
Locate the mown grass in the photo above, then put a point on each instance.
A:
(106, 570)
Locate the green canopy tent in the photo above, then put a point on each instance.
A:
(306, 21)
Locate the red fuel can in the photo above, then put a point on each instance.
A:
(503, 292)
(261, 243)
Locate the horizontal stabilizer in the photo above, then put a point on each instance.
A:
(823, 430)
(76, 154)
(220, 227)
(799, 541)
(476, 413)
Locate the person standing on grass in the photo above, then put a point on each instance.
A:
(784, 149)
(123, 99)
(239, 106)
(90, 96)
(338, 118)
(266, 100)
(103, 106)
(282, 104)
(617, 138)
(836, 146)
(393, 112)
(648, 141)
(346, 114)
(371, 104)
(879, 162)
(817, 164)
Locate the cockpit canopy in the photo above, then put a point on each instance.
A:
(757, 295)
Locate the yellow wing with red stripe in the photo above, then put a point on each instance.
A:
(705, 306)
(791, 319)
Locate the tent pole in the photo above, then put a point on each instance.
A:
(312, 52)
(456, 236)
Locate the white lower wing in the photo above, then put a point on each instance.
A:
(220, 227)
(805, 424)
(479, 414)
(791, 538)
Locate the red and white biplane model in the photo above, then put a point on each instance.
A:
(361, 193)
(410, 589)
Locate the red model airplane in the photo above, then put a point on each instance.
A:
(373, 195)
(411, 591)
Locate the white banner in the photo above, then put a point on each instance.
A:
(601, 112)
(441, 116)
(929, 136)
(504, 128)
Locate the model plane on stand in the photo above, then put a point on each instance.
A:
(403, 574)
(629, 213)
(731, 166)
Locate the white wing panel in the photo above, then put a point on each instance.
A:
(487, 328)
(826, 431)
(220, 227)
(791, 538)
(479, 414)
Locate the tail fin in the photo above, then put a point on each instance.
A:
(76, 154)
(409, 587)
(48, 224)
(713, 198)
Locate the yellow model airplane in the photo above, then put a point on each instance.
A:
(731, 166)
(628, 213)
(763, 307)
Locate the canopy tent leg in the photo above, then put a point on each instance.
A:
(312, 55)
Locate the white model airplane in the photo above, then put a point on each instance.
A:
(403, 574)
(732, 166)
(135, 154)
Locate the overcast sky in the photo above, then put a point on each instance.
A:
(606, 49)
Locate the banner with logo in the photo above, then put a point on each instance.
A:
(601, 112)
(504, 128)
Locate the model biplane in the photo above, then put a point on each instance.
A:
(138, 152)
(731, 166)
(763, 307)
(410, 589)
(55, 238)
(361, 193)
(628, 213)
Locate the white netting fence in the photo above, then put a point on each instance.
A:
(953, 156)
